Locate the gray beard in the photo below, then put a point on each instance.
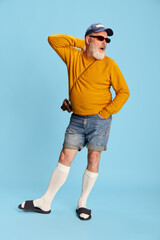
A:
(94, 52)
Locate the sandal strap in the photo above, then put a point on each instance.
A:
(83, 210)
(29, 205)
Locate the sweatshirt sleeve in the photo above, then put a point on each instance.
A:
(65, 44)
(121, 90)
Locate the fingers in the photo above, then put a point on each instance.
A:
(84, 49)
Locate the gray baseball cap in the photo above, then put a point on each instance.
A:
(98, 27)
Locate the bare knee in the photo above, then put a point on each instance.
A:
(93, 160)
(67, 156)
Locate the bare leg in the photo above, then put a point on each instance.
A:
(93, 160)
(67, 156)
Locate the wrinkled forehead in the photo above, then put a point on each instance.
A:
(103, 33)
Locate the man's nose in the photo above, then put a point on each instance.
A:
(104, 41)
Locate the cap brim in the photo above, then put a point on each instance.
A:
(109, 31)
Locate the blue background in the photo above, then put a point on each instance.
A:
(33, 83)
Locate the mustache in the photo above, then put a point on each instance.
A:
(103, 47)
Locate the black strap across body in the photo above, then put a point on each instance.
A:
(66, 105)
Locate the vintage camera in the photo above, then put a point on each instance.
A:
(66, 106)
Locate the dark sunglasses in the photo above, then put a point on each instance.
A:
(101, 38)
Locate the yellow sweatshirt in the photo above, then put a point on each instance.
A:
(91, 93)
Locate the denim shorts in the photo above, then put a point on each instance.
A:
(90, 131)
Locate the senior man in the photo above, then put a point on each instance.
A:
(91, 74)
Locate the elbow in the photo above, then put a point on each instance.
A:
(49, 39)
(128, 94)
(124, 92)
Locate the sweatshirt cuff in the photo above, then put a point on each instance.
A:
(104, 113)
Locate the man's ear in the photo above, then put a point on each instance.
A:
(87, 40)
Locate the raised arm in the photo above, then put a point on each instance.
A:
(121, 89)
(64, 44)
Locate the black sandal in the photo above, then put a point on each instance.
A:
(30, 207)
(83, 210)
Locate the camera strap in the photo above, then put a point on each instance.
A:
(80, 76)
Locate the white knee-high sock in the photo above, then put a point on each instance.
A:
(58, 178)
(89, 179)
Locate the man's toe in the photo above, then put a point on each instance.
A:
(23, 204)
